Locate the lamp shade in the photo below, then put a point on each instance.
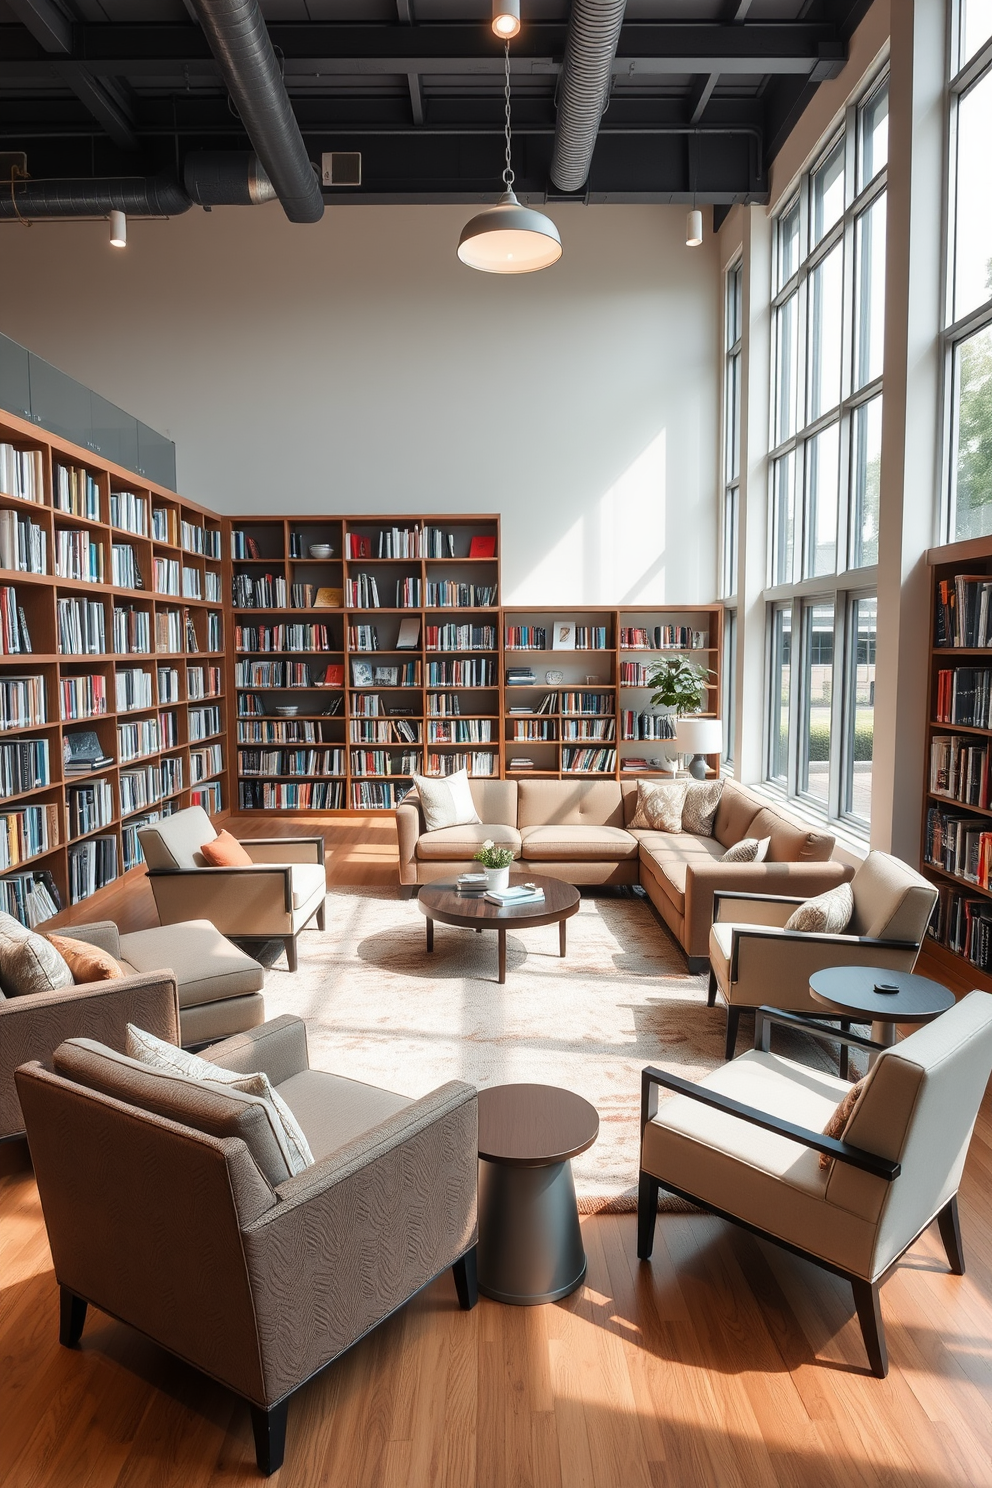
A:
(699, 736)
(509, 239)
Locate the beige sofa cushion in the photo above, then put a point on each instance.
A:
(790, 844)
(207, 966)
(734, 815)
(583, 843)
(309, 880)
(333, 1110)
(668, 855)
(454, 844)
(572, 803)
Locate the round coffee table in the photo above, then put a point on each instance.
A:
(442, 901)
(530, 1244)
(851, 990)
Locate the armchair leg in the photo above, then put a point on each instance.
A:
(711, 991)
(866, 1300)
(269, 1429)
(950, 1233)
(72, 1316)
(647, 1214)
(465, 1273)
(321, 916)
(733, 1018)
(290, 943)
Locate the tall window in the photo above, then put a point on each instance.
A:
(968, 304)
(733, 339)
(829, 316)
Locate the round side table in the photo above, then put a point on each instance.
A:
(530, 1244)
(853, 992)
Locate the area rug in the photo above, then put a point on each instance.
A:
(379, 1008)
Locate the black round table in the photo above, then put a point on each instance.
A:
(854, 992)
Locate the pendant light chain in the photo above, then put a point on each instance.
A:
(508, 177)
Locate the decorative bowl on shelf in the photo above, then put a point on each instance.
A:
(554, 677)
(321, 550)
(287, 711)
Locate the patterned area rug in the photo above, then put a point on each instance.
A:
(379, 1008)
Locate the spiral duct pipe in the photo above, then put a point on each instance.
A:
(137, 196)
(584, 87)
(239, 40)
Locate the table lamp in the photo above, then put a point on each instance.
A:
(699, 737)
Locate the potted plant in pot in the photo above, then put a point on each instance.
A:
(680, 686)
(496, 861)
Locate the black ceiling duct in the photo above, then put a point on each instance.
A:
(584, 87)
(137, 196)
(226, 178)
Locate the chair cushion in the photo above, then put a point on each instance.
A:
(206, 965)
(700, 806)
(891, 900)
(217, 1110)
(28, 962)
(88, 963)
(748, 850)
(454, 844)
(572, 803)
(564, 843)
(668, 854)
(332, 1110)
(175, 841)
(734, 815)
(659, 805)
(224, 851)
(309, 881)
(824, 914)
(447, 802)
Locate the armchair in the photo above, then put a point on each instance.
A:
(274, 899)
(754, 959)
(176, 1231)
(744, 1144)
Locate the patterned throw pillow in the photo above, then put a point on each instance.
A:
(153, 1051)
(826, 914)
(28, 962)
(837, 1124)
(447, 802)
(702, 799)
(748, 850)
(659, 805)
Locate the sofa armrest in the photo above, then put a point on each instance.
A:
(32, 1027)
(103, 934)
(353, 1237)
(704, 878)
(408, 830)
(766, 955)
(284, 849)
(277, 1048)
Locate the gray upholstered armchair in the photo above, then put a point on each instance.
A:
(755, 960)
(168, 1205)
(274, 899)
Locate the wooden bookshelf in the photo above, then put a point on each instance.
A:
(950, 950)
(180, 733)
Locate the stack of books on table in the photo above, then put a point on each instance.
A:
(518, 894)
(470, 883)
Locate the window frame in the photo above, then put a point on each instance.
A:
(733, 370)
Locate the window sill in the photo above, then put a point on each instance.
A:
(852, 845)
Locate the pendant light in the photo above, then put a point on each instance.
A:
(509, 238)
(118, 229)
(694, 228)
(506, 18)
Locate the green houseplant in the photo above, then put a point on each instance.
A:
(680, 685)
(496, 861)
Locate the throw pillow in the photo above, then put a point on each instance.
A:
(225, 851)
(28, 962)
(659, 804)
(837, 1125)
(702, 799)
(825, 914)
(447, 802)
(748, 850)
(88, 963)
(153, 1051)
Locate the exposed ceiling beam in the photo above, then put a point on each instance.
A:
(701, 95)
(50, 26)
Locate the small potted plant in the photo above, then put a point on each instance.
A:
(496, 861)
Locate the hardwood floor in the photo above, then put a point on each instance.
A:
(722, 1362)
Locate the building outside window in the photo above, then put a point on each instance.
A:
(968, 298)
(828, 323)
(733, 343)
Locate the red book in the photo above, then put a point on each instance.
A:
(482, 547)
(333, 677)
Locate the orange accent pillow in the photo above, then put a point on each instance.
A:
(225, 851)
(86, 962)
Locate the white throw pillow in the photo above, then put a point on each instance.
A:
(748, 850)
(28, 962)
(659, 804)
(153, 1051)
(826, 914)
(447, 802)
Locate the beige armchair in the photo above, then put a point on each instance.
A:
(166, 1207)
(745, 1142)
(755, 960)
(274, 899)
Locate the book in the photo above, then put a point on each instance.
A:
(333, 677)
(482, 547)
(507, 898)
(409, 635)
(329, 598)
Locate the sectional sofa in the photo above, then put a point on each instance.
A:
(579, 831)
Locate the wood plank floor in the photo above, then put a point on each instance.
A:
(722, 1362)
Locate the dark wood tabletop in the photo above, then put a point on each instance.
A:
(852, 990)
(441, 901)
(533, 1126)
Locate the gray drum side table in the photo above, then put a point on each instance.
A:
(530, 1243)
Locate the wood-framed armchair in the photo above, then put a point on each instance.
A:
(744, 1143)
(274, 899)
(754, 960)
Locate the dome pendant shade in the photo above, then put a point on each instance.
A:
(509, 239)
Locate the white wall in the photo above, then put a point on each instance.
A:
(356, 365)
